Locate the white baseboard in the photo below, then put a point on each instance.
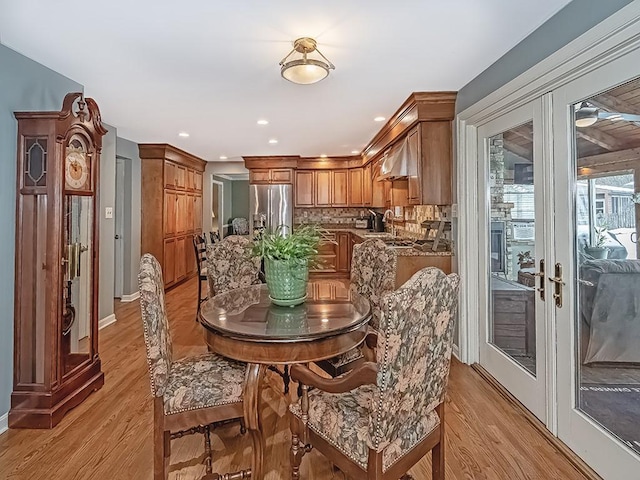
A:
(456, 351)
(106, 321)
(4, 423)
(130, 298)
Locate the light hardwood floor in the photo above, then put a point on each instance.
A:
(109, 435)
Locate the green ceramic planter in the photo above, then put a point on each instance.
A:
(286, 281)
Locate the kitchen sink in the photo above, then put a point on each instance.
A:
(377, 234)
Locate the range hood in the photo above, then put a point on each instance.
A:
(399, 162)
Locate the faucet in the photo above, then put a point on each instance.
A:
(391, 215)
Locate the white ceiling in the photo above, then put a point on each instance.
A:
(210, 68)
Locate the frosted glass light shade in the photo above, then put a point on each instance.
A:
(305, 72)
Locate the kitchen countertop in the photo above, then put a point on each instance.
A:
(401, 252)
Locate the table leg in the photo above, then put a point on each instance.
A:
(251, 400)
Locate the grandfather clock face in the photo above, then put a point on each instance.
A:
(77, 167)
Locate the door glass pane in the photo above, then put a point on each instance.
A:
(607, 129)
(512, 240)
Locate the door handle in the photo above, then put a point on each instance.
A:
(540, 275)
(559, 283)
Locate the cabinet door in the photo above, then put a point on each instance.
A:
(323, 188)
(436, 163)
(190, 180)
(366, 185)
(413, 139)
(378, 190)
(169, 175)
(169, 264)
(258, 176)
(339, 187)
(180, 259)
(190, 208)
(344, 247)
(400, 193)
(355, 187)
(197, 181)
(282, 175)
(197, 213)
(190, 260)
(181, 213)
(170, 205)
(304, 188)
(388, 201)
(181, 176)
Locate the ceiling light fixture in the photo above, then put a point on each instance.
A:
(263, 122)
(273, 141)
(379, 119)
(586, 115)
(324, 155)
(222, 157)
(305, 70)
(355, 152)
(183, 134)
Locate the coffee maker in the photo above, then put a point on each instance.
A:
(375, 221)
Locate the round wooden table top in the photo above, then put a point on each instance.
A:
(245, 325)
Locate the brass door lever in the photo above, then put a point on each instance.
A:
(559, 283)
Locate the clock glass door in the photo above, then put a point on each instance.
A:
(78, 281)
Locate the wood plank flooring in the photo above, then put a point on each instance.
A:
(109, 435)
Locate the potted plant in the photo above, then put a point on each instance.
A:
(597, 250)
(286, 261)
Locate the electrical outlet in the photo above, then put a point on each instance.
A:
(108, 212)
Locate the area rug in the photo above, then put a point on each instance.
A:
(616, 407)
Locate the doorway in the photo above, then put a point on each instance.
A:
(217, 208)
(119, 228)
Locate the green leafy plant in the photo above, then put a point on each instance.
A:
(600, 231)
(299, 247)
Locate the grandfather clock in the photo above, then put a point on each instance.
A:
(56, 362)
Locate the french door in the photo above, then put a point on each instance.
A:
(513, 253)
(596, 122)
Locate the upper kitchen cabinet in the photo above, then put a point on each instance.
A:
(356, 184)
(271, 170)
(339, 188)
(420, 135)
(304, 187)
(323, 188)
(171, 208)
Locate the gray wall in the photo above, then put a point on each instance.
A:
(240, 199)
(568, 24)
(107, 225)
(227, 193)
(24, 85)
(128, 151)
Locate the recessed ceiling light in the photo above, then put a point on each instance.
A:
(183, 134)
(355, 152)
(273, 141)
(263, 122)
(379, 119)
(324, 155)
(222, 157)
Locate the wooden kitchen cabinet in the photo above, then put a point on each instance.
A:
(436, 163)
(304, 186)
(343, 252)
(379, 188)
(323, 188)
(355, 191)
(366, 185)
(400, 193)
(339, 188)
(259, 176)
(172, 208)
(414, 196)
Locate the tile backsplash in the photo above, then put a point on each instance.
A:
(329, 215)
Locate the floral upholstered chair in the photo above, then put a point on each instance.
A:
(373, 274)
(379, 419)
(189, 394)
(240, 226)
(230, 265)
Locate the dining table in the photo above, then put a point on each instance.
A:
(245, 325)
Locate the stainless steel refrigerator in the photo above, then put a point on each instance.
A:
(270, 206)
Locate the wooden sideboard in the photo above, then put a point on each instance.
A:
(514, 326)
(171, 208)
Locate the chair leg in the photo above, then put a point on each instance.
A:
(297, 449)
(199, 298)
(161, 454)
(286, 379)
(437, 462)
(207, 448)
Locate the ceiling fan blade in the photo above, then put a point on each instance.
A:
(614, 116)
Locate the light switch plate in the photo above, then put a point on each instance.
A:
(108, 212)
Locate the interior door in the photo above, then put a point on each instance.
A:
(119, 229)
(597, 172)
(512, 254)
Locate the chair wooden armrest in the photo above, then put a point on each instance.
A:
(365, 374)
(371, 340)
